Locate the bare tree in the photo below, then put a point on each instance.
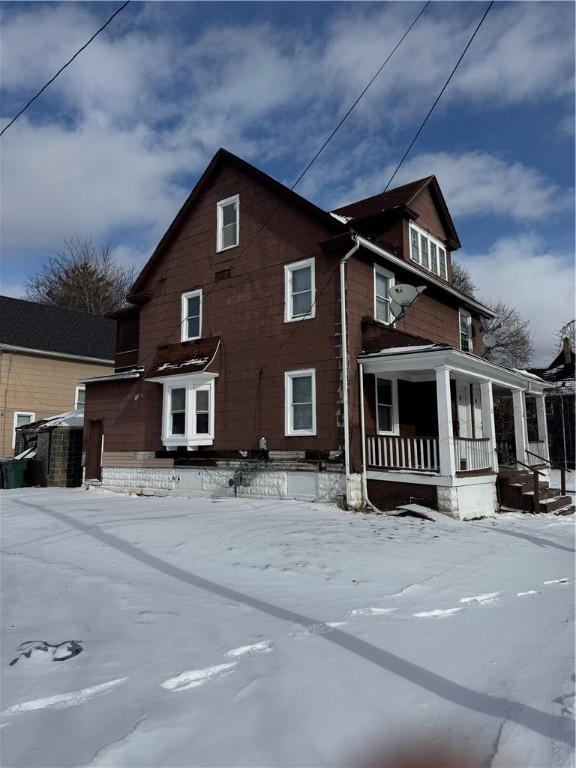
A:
(82, 276)
(513, 346)
(462, 280)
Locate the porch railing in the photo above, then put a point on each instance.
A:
(391, 452)
(472, 453)
(536, 453)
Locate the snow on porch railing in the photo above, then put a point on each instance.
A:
(403, 452)
(472, 453)
(539, 449)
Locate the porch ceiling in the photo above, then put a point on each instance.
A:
(421, 363)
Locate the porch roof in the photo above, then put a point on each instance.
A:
(412, 360)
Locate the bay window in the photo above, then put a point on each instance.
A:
(188, 411)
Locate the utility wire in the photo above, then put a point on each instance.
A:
(420, 129)
(313, 160)
(78, 52)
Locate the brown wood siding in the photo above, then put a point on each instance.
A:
(44, 386)
(247, 312)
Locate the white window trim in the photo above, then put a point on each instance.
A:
(289, 430)
(390, 276)
(79, 389)
(431, 239)
(219, 206)
(191, 383)
(184, 315)
(15, 419)
(468, 316)
(288, 269)
(395, 420)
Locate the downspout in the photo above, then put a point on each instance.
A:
(344, 336)
(367, 501)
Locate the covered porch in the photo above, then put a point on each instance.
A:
(428, 418)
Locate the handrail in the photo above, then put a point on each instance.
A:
(473, 439)
(552, 466)
(532, 469)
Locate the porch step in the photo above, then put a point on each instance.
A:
(516, 491)
(554, 503)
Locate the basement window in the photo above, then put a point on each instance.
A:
(228, 223)
(300, 402)
(299, 291)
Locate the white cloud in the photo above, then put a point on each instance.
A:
(537, 282)
(476, 184)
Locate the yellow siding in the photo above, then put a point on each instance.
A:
(40, 385)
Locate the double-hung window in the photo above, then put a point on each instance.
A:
(188, 418)
(21, 418)
(228, 223)
(191, 315)
(465, 319)
(300, 402)
(383, 281)
(299, 291)
(428, 251)
(80, 398)
(386, 406)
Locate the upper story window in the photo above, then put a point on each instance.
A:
(465, 331)
(383, 281)
(299, 291)
(191, 315)
(300, 402)
(428, 251)
(80, 398)
(188, 412)
(228, 223)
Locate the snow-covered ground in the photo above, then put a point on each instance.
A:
(268, 633)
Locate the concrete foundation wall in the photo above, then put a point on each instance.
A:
(470, 501)
(214, 483)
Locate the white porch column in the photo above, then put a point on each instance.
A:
(488, 424)
(520, 426)
(445, 430)
(542, 425)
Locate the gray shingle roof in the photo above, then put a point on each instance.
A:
(51, 329)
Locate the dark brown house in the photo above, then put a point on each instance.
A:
(230, 355)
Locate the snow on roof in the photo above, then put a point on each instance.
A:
(340, 218)
(66, 419)
(405, 350)
(529, 375)
(193, 361)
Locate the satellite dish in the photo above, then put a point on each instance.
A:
(489, 340)
(405, 295)
(397, 310)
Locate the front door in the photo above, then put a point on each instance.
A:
(94, 440)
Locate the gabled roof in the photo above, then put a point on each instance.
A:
(402, 197)
(27, 325)
(221, 157)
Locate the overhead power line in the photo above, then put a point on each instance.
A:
(78, 52)
(437, 99)
(316, 156)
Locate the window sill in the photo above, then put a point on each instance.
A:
(228, 248)
(299, 318)
(183, 441)
(384, 323)
(303, 433)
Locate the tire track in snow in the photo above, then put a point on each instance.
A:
(194, 678)
(243, 650)
(64, 700)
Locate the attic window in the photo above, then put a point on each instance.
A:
(428, 251)
(228, 223)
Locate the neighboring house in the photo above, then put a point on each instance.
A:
(560, 401)
(232, 349)
(45, 353)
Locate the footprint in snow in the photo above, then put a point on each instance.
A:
(372, 611)
(488, 597)
(437, 612)
(243, 650)
(194, 678)
(558, 581)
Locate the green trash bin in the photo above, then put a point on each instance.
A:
(13, 472)
(1, 474)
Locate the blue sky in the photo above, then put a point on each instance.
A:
(112, 149)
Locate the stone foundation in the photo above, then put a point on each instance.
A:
(214, 482)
